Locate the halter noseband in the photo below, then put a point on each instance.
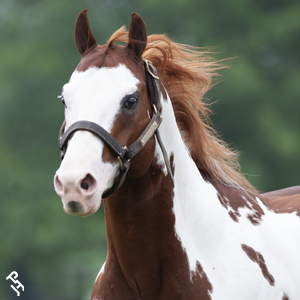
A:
(124, 154)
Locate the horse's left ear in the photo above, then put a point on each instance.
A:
(137, 35)
(84, 38)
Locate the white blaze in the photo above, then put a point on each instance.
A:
(93, 95)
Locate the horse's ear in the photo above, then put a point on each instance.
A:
(137, 35)
(84, 38)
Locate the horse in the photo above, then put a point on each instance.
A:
(182, 222)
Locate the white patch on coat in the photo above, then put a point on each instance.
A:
(209, 236)
(95, 94)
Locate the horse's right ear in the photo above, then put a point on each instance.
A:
(84, 38)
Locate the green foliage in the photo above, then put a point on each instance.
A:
(58, 256)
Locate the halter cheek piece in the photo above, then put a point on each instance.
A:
(124, 154)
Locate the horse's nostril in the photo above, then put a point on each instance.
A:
(88, 183)
(84, 185)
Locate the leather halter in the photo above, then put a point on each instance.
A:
(124, 154)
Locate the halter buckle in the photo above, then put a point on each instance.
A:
(147, 62)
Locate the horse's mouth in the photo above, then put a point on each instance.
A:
(76, 208)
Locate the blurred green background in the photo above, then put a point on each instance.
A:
(257, 110)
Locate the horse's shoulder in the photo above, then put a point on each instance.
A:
(284, 201)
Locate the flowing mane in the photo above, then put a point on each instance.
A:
(187, 73)
(168, 237)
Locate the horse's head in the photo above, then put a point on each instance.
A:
(108, 88)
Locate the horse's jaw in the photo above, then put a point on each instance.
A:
(83, 177)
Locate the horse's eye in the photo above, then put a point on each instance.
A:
(61, 97)
(131, 103)
(63, 100)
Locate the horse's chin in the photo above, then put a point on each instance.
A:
(80, 209)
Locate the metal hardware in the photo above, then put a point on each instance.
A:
(155, 109)
(148, 134)
(120, 161)
(148, 69)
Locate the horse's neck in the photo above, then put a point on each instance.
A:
(196, 205)
(151, 220)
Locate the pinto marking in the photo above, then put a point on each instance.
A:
(259, 259)
(183, 239)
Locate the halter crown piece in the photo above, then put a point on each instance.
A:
(124, 154)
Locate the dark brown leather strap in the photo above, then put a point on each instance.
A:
(141, 141)
(121, 152)
(95, 129)
(109, 140)
(153, 93)
(165, 155)
(152, 85)
(120, 179)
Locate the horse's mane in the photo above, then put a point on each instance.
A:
(187, 73)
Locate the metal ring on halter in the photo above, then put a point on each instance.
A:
(148, 69)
